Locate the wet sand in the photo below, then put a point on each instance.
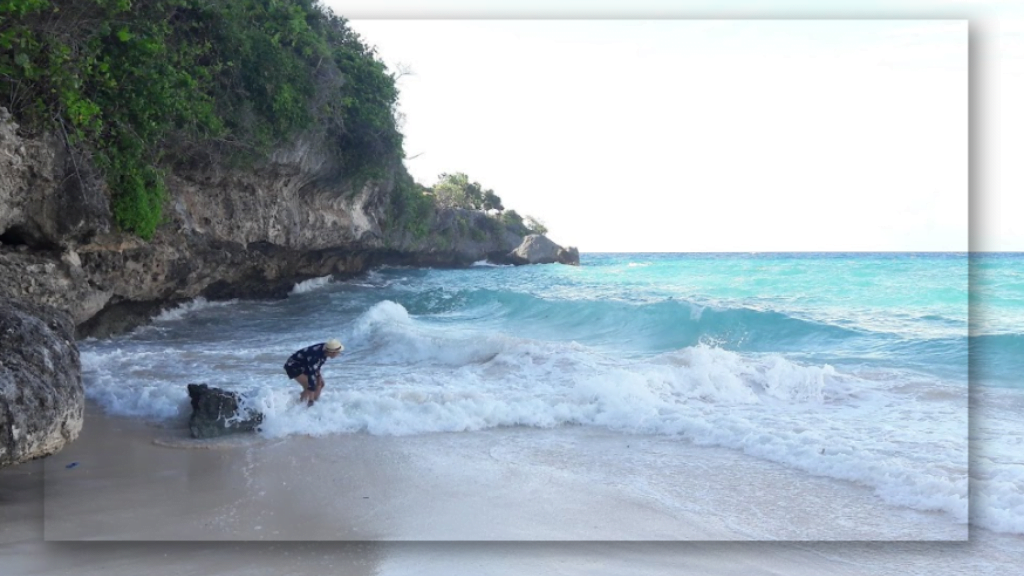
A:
(124, 479)
(503, 492)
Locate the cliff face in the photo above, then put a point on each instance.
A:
(229, 232)
(244, 231)
(299, 199)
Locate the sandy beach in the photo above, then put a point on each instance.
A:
(497, 502)
(130, 480)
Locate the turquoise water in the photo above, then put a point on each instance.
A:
(855, 310)
(997, 319)
(849, 366)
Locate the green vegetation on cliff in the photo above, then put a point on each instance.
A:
(410, 206)
(456, 191)
(140, 85)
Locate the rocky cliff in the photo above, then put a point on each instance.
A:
(41, 396)
(227, 232)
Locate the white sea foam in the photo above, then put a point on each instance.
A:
(311, 284)
(402, 376)
(389, 332)
(997, 471)
(191, 307)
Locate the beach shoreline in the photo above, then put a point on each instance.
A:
(126, 479)
(37, 513)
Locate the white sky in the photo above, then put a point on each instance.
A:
(716, 135)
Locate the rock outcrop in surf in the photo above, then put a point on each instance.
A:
(217, 412)
(538, 249)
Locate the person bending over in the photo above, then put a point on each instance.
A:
(304, 367)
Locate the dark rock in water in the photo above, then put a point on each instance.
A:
(538, 249)
(570, 256)
(42, 401)
(216, 412)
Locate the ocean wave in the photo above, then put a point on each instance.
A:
(1011, 345)
(191, 308)
(813, 418)
(387, 334)
(534, 384)
(656, 325)
(311, 284)
(995, 359)
(405, 374)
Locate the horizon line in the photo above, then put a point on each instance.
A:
(802, 252)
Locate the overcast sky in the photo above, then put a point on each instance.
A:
(710, 135)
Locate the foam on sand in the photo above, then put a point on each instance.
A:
(497, 484)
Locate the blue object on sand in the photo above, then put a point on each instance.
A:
(72, 465)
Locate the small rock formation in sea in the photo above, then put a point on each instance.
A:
(42, 401)
(538, 249)
(215, 412)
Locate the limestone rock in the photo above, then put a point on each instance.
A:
(569, 255)
(216, 412)
(228, 233)
(49, 196)
(38, 277)
(455, 237)
(538, 249)
(42, 401)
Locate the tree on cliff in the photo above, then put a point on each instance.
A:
(535, 225)
(492, 201)
(456, 191)
(139, 86)
(450, 190)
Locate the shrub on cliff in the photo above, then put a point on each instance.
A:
(535, 225)
(514, 222)
(410, 206)
(456, 191)
(138, 85)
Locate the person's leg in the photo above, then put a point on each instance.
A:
(303, 381)
(319, 388)
(312, 390)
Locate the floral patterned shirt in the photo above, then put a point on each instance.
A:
(309, 359)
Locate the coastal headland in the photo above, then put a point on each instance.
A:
(68, 271)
